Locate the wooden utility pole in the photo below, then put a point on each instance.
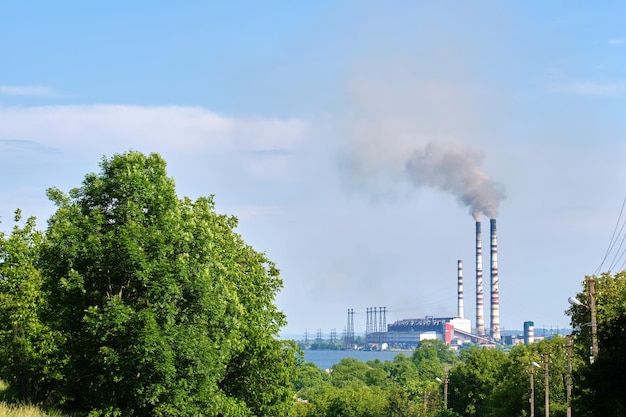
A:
(532, 387)
(591, 288)
(568, 353)
(532, 391)
(546, 360)
(445, 392)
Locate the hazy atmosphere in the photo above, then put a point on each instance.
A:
(354, 140)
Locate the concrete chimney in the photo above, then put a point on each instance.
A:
(460, 293)
(529, 332)
(495, 297)
(480, 318)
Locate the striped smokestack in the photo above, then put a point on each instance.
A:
(480, 320)
(495, 297)
(460, 294)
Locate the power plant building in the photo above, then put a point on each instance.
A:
(452, 330)
(409, 332)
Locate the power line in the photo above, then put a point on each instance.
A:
(619, 253)
(614, 238)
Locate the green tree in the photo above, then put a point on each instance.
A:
(434, 349)
(376, 375)
(165, 310)
(28, 347)
(401, 370)
(348, 371)
(599, 387)
(474, 380)
(510, 396)
(309, 375)
(357, 401)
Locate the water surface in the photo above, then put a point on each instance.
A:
(325, 359)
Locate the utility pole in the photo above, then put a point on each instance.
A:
(532, 391)
(546, 360)
(445, 392)
(591, 294)
(568, 353)
(532, 388)
(591, 287)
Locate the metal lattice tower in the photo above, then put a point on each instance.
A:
(349, 336)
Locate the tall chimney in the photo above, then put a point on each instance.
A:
(460, 293)
(495, 297)
(480, 320)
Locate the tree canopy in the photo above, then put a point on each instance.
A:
(600, 386)
(163, 308)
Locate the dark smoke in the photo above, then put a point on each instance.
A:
(447, 166)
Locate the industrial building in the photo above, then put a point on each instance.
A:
(455, 331)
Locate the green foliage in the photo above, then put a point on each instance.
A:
(309, 376)
(481, 382)
(599, 387)
(404, 387)
(434, 349)
(430, 359)
(348, 371)
(510, 397)
(401, 370)
(473, 382)
(324, 345)
(162, 308)
(29, 359)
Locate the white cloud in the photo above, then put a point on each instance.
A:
(590, 88)
(617, 41)
(259, 148)
(174, 127)
(34, 91)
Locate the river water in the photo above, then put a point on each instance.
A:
(325, 359)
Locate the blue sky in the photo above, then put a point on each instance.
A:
(334, 131)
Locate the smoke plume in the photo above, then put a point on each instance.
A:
(448, 166)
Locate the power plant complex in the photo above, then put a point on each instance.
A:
(454, 331)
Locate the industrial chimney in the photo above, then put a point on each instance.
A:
(480, 319)
(460, 293)
(495, 297)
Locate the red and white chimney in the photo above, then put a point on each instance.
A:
(480, 318)
(495, 297)
(460, 289)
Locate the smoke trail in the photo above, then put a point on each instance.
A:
(448, 166)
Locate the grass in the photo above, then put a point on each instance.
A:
(13, 410)
(20, 410)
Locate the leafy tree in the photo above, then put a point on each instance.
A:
(511, 396)
(357, 401)
(473, 382)
(309, 375)
(401, 370)
(599, 387)
(165, 310)
(353, 398)
(399, 404)
(28, 347)
(325, 345)
(434, 349)
(557, 375)
(376, 375)
(348, 371)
